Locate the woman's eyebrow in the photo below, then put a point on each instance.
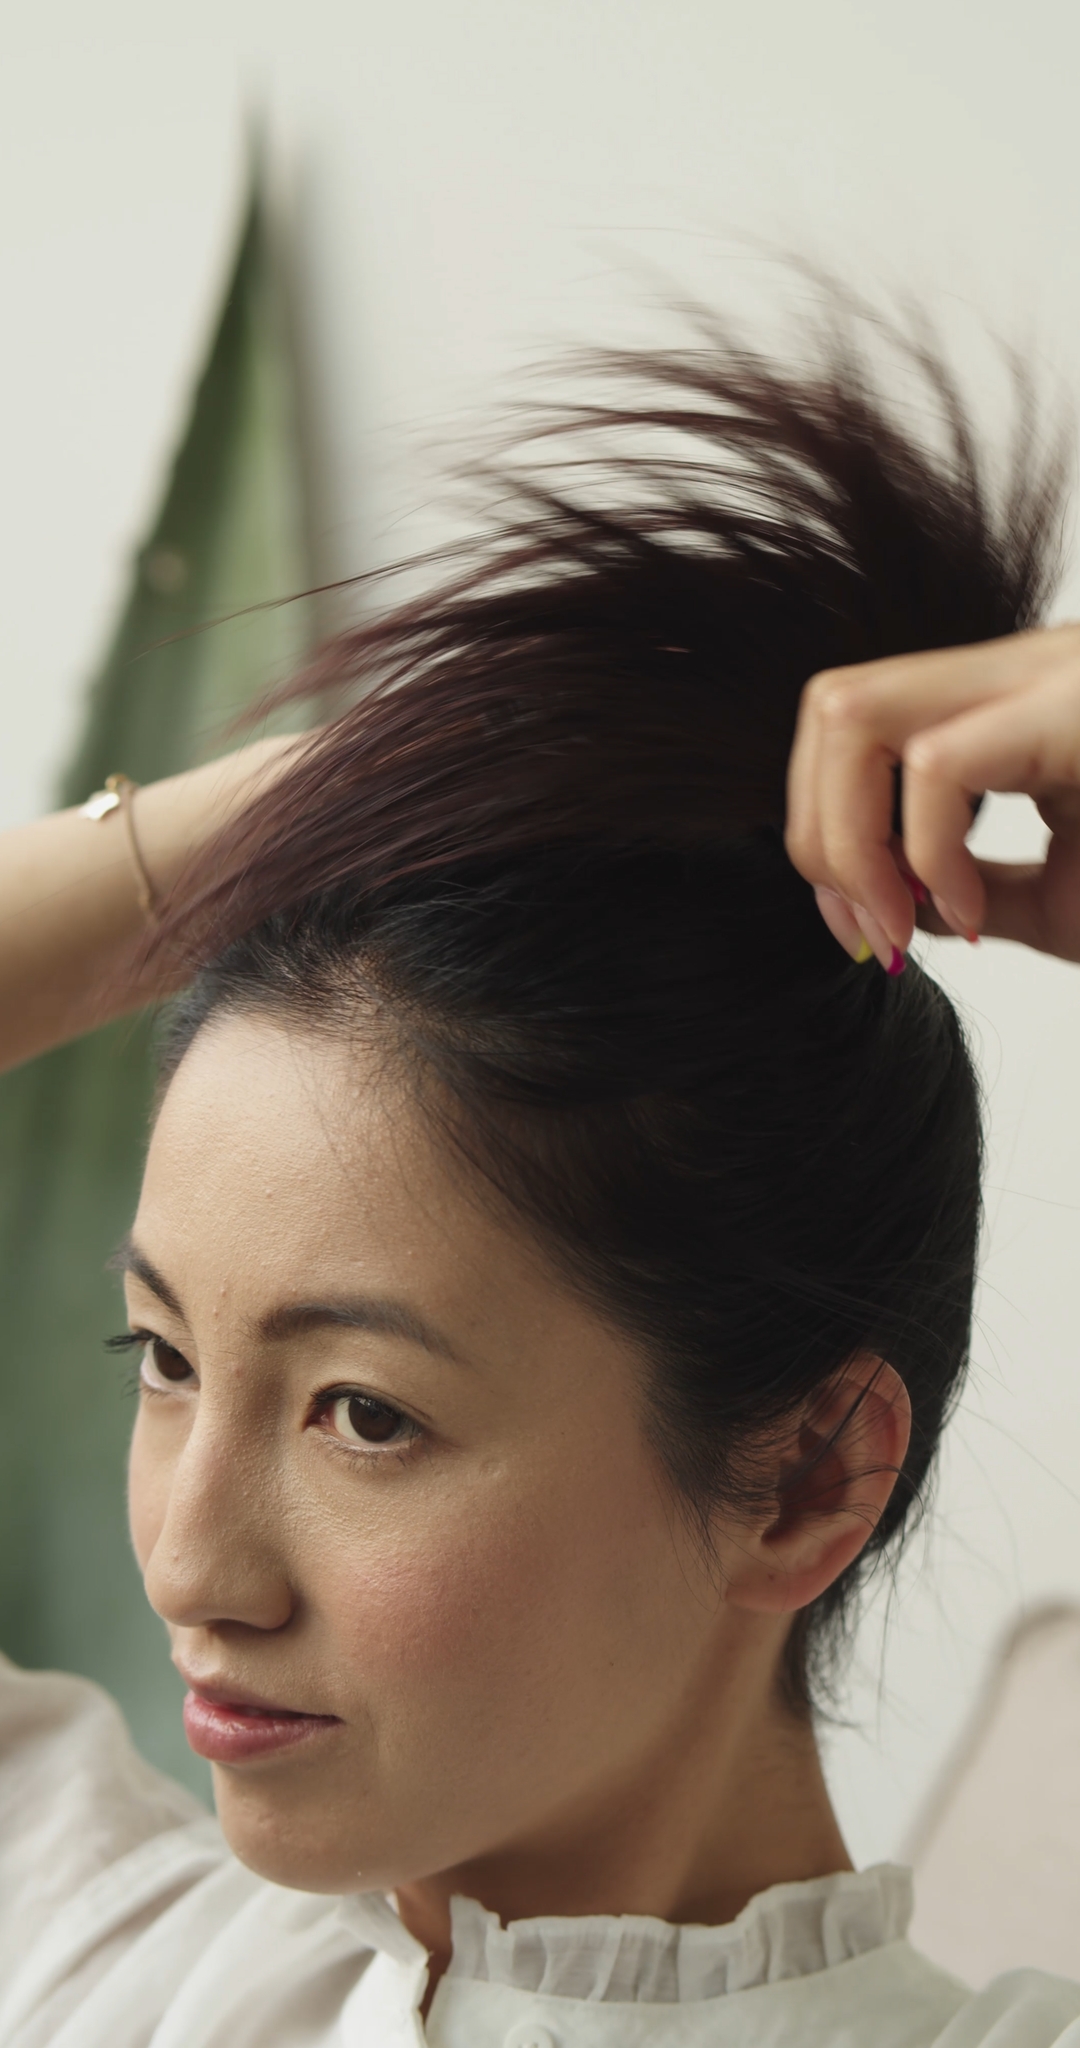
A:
(379, 1313)
(382, 1314)
(127, 1258)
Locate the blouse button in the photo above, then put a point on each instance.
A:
(528, 2035)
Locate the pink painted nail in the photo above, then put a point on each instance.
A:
(898, 963)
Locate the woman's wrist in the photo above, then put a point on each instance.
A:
(173, 818)
(74, 894)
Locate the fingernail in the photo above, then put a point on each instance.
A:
(918, 889)
(876, 937)
(955, 922)
(865, 953)
(898, 963)
(841, 922)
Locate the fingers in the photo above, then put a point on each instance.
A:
(1004, 715)
(1029, 741)
(842, 922)
(859, 934)
(855, 794)
(937, 819)
(840, 810)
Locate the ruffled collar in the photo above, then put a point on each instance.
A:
(791, 1930)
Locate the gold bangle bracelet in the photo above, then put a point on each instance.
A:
(119, 795)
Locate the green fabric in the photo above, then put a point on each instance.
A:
(230, 534)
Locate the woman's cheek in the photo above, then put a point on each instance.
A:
(449, 1603)
(487, 1599)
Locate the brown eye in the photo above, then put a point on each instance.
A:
(162, 1361)
(359, 1418)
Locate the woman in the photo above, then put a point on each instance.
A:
(555, 1255)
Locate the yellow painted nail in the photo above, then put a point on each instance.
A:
(865, 953)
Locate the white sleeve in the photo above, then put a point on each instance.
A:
(74, 1797)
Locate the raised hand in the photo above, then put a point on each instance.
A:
(1003, 715)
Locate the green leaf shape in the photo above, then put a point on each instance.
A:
(188, 655)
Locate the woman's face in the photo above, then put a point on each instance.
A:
(390, 1472)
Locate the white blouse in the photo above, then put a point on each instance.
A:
(126, 1923)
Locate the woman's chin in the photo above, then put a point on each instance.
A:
(290, 1835)
(299, 1835)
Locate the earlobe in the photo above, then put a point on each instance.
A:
(834, 1474)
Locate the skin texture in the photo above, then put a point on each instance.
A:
(549, 1696)
(71, 916)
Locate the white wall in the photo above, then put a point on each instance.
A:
(471, 179)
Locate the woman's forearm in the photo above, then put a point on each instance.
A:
(70, 915)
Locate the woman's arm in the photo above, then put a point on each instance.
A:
(1004, 715)
(70, 914)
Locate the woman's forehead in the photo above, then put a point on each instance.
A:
(283, 1158)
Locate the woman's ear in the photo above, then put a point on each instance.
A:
(833, 1473)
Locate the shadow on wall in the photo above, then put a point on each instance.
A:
(997, 1850)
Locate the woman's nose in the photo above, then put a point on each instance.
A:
(216, 1556)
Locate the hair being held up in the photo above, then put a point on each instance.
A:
(542, 855)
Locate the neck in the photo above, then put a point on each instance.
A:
(711, 1817)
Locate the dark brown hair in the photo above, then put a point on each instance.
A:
(546, 845)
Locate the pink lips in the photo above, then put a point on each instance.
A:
(231, 1731)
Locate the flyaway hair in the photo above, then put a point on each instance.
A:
(541, 853)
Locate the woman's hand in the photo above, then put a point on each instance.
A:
(1004, 715)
